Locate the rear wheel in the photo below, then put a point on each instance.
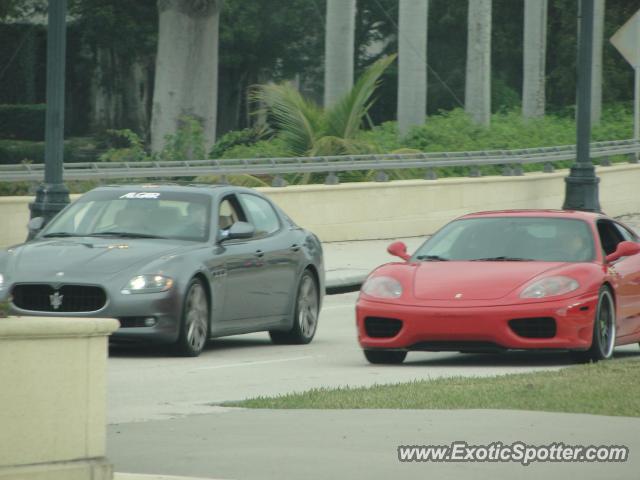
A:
(194, 327)
(305, 321)
(604, 330)
(389, 357)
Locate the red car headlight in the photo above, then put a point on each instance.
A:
(550, 287)
(382, 287)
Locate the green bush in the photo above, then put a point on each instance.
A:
(79, 149)
(246, 137)
(4, 309)
(22, 122)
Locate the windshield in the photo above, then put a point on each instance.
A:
(511, 239)
(173, 215)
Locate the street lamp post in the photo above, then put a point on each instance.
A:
(52, 195)
(582, 183)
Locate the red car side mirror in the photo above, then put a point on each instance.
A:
(624, 249)
(399, 249)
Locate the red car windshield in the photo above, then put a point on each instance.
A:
(544, 239)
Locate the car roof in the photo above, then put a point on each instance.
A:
(571, 214)
(206, 188)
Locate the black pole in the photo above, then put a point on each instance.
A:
(582, 184)
(52, 195)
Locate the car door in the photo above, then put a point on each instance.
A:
(279, 252)
(240, 265)
(627, 272)
(630, 268)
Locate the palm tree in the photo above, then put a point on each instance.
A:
(535, 48)
(477, 97)
(339, 48)
(307, 129)
(186, 80)
(412, 58)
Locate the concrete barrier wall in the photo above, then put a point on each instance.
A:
(361, 211)
(53, 398)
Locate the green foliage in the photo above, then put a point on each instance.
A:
(187, 143)
(307, 129)
(126, 147)
(4, 308)
(76, 149)
(246, 137)
(22, 122)
(273, 148)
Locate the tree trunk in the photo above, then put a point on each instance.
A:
(596, 72)
(103, 115)
(412, 74)
(535, 53)
(136, 97)
(186, 80)
(339, 49)
(477, 101)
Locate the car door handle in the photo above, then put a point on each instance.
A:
(295, 247)
(259, 253)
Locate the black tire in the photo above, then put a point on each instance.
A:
(305, 320)
(388, 357)
(194, 324)
(604, 330)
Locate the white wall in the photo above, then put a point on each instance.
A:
(360, 211)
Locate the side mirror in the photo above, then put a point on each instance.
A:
(34, 226)
(399, 249)
(239, 230)
(624, 249)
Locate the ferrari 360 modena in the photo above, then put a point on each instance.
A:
(494, 281)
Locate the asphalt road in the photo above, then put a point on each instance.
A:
(149, 384)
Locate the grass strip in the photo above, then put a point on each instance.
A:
(604, 388)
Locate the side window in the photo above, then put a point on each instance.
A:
(229, 213)
(626, 234)
(610, 236)
(262, 214)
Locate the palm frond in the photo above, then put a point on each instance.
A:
(345, 117)
(297, 120)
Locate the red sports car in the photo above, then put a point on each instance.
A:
(492, 281)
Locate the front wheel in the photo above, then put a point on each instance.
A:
(305, 321)
(194, 326)
(604, 330)
(389, 357)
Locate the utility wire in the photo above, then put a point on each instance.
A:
(15, 54)
(435, 74)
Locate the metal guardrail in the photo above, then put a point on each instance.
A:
(511, 159)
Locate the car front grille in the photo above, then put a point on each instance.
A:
(536, 327)
(65, 299)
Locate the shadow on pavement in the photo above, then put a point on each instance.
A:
(507, 359)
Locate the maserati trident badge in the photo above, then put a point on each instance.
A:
(56, 300)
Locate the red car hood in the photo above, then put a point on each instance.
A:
(474, 280)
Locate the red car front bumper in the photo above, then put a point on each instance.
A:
(480, 327)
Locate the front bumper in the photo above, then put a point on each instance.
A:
(453, 328)
(164, 307)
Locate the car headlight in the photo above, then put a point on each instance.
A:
(148, 284)
(550, 287)
(382, 287)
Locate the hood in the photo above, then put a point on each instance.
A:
(101, 256)
(474, 280)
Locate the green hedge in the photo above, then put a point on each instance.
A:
(22, 122)
(78, 149)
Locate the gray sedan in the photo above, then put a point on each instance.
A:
(174, 264)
